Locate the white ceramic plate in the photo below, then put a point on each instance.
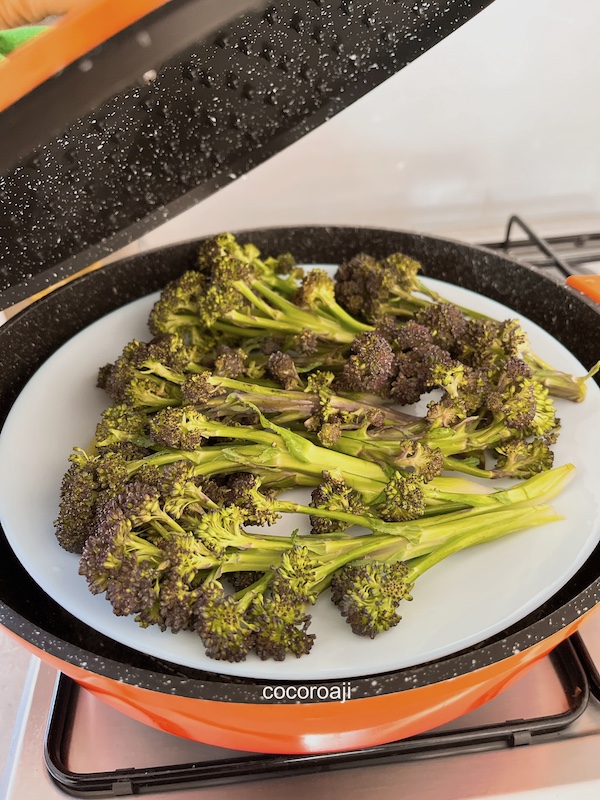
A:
(464, 600)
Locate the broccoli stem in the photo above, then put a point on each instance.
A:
(436, 542)
(538, 489)
(531, 517)
(559, 384)
(302, 404)
(282, 449)
(401, 541)
(464, 466)
(281, 315)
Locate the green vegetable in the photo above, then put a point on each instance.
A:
(262, 377)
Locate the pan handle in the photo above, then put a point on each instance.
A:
(586, 284)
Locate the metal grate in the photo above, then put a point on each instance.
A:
(246, 767)
(558, 256)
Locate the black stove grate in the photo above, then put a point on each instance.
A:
(557, 256)
(590, 666)
(245, 767)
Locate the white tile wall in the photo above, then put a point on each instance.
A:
(499, 117)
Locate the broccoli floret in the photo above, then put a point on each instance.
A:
(121, 423)
(520, 458)
(198, 389)
(78, 495)
(114, 378)
(245, 494)
(417, 457)
(146, 376)
(412, 372)
(224, 246)
(482, 415)
(368, 595)
(467, 387)
(181, 490)
(164, 355)
(295, 575)
(113, 469)
(410, 335)
(447, 323)
(356, 282)
(281, 628)
(488, 343)
(524, 406)
(242, 580)
(115, 546)
(316, 287)
(221, 528)
(282, 369)
(373, 290)
(334, 494)
(223, 297)
(403, 272)
(318, 381)
(136, 551)
(178, 428)
(403, 498)
(445, 413)
(90, 481)
(305, 343)
(370, 367)
(225, 630)
(317, 292)
(230, 363)
(176, 310)
(174, 606)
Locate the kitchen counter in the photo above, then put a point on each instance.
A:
(14, 662)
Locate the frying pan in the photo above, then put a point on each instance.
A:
(237, 712)
(232, 83)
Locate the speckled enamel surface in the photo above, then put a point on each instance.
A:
(211, 113)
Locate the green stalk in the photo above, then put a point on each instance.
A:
(532, 516)
(460, 465)
(343, 317)
(258, 302)
(247, 321)
(476, 530)
(536, 490)
(560, 384)
(309, 320)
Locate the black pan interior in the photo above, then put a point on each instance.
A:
(30, 338)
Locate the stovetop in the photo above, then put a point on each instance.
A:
(539, 739)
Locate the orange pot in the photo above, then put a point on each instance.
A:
(299, 717)
(322, 727)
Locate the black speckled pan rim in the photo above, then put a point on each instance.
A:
(34, 617)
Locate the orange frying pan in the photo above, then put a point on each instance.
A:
(298, 717)
(157, 149)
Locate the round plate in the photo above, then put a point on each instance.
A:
(464, 600)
